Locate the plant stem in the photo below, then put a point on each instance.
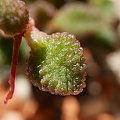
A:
(16, 46)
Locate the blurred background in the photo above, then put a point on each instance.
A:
(96, 24)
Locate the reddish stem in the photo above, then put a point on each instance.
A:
(16, 46)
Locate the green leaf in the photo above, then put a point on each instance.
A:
(59, 66)
(79, 19)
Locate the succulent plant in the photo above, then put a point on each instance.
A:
(56, 62)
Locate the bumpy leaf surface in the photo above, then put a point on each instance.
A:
(56, 63)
